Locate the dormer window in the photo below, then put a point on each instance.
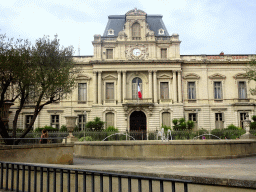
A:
(160, 32)
(136, 31)
(110, 32)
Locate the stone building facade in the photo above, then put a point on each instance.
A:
(136, 51)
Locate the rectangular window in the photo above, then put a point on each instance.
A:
(82, 91)
(217, 90)
(55, 123)
(109, 53)
(135, 90)
(81, 122)
(164, 90)
(28, 120)
(164, 53)
(109, 119)
(219, 123)
(109, 91)
(166, 119)
(193, 117)
(242, 90)
(191, 90)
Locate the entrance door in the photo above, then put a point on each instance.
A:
(138, 125)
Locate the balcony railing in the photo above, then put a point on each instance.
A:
(50, 178)
(143, 100)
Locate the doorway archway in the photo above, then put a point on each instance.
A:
(138, 125)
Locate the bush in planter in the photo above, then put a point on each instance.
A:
(97, 124)
(219, 133)
(233, 132)
(48, 128)
(87, 138)
(190, 124)
(63, 128)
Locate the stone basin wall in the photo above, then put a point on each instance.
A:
(188, 149)
(38, 153)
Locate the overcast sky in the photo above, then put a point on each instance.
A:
(204, 26)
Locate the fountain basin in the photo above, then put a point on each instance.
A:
(163, 150)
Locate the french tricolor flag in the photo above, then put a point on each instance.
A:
(139, 92)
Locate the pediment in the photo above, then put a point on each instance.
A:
(191, 76)
(109, 77)
(164, 76)
(217, 76)
(82, 77)
(240, 76)
(135, 12)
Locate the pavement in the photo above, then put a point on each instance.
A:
(239, 172)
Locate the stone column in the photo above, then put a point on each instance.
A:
(155, 87)
(174, 87)
(119, 94)
(99, 88)
(95, 87)
(179, 87)
(124, 85)
(150, 84)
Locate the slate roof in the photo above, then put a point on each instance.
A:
(116, 22)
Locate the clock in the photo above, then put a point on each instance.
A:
(136, 52)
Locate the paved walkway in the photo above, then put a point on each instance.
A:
(232, 172)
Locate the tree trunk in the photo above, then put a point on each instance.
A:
(4, 133)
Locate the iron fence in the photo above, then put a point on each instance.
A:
(31, 141)
(21, 176)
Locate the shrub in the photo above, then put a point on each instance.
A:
(253, 125)
(48, 128)
(63, 128)
(232, 127)
(97, 124)
(254, 118)
(190, 124)
(87, 138)
(111, 129)
(166, 128)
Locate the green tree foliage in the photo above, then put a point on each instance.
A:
(181, 124)
(251, 74)
(41, 74)
(96, 124)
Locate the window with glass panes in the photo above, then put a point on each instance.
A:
(217, 90)
(193, 117)
(81, 122)
(135, 83)
(242, 90)
(82, 91)
(164, 90)
(164, 53)
(109, 91)
(191, 90)
(109, 53)
(55, 123)
(219, 123)
(28, 120)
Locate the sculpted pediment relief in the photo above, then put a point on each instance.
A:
(164, 76)
(82, 77)
(109, 77)
(191, 76)
(240, 76)
(217, 76)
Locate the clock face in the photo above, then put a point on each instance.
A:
(136, 52)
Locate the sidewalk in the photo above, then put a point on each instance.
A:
(240, 172)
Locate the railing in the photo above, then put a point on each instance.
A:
(163, 38)
(52, 179)
(143, 100)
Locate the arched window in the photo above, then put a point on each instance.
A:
(135, 82)
(136, 31)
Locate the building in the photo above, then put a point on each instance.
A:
(136, 51)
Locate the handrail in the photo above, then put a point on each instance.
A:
(46, 169)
